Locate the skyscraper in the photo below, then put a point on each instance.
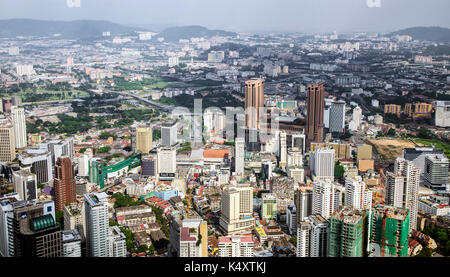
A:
(325, 198)
(168, 134)
(25, 184)
(254, 102)
(314, 117)
(64, 183)
(322, 163)
(347, 230)
(402, 188)
(97, 224)
(337, 117)
(144, 138)
(237, 209)
(389, 232)
(20, 128)
(318, 239)
(167, 160)
(436, 172)
(283, 150)
(356, 194)
(7, 141)
(303, 203)
(239, 154)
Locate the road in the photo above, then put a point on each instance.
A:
(149, 102)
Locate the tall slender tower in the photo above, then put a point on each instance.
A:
(144, 139)
(65, 191)
(254, 100)
(20, 128)
(7, 141)
(239, 156)
(314, 117)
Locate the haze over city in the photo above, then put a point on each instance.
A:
(243, 15)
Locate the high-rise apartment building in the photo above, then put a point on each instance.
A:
(347, 231)
(312, 237)
(20, 128)
(117, 247)
(25, 184)
(254, 103)
(326, 199)
(303, 203)
(7, 141)
(64, 183)
(402, 188)
(167, 161)
(97, 224)
(357, 196)
(268, 206)
(389, 232)
(237, 209)
(235, 247)
(144, 138)
(314, 117)
(193, 238)
(71, 240)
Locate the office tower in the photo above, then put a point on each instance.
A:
(194, 238)
(83, 165)
(291, 218)
(59, 148)
(337, 117)
(303, 203)
(97, 224)
(71, 241)
(239, 153)
(436, 172)
(347, 231)
(357, 116)
(254, 103)
(40, 163)
(325, 198)
(167, 160)
(235, 247)
(144, 139)
(356, 194)
(168, 134)
(237, 209)
(404, 185)
(149, 167)
(25, 184)
(389, 232)
(294, 158)
(322, 163)
(364, 152)
(268, 206)
(314, 117)
(20, 128)
(64, 183)
(318, 237)
(116, 243)
(283, 150)
(442, 116)
(35, 232)
(417, 155)
(299, 142)
(7, 141)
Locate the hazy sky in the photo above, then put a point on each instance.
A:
(244, 15)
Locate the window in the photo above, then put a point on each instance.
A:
(49, 209)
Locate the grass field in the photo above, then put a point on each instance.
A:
(438, 144)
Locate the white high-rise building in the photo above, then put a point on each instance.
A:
(322, 163)
(312, 237)
(25, 70)
(116, 243)
(193, 238)
(7, 141)
(356, 194)
(325, 198)
(442, 116)
(239, 153)
(71, 243)
(97, 224)
(20, 127)
(299, 142)
(235, 247)
(169, 134)
(303, 238)
(25, 184)
(167, 160)
(357, 116)
(283, 150)
(294, 158)
(173, 61)
(6, 224)
(237, 209)
(83, 165)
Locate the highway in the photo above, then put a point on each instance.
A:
(151, 103)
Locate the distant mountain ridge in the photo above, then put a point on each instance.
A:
(77, 29)
(434, 34)
(174, 34)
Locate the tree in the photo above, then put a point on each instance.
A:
(293, 240)
(338, 171)
(425, 253)
(60, 218)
